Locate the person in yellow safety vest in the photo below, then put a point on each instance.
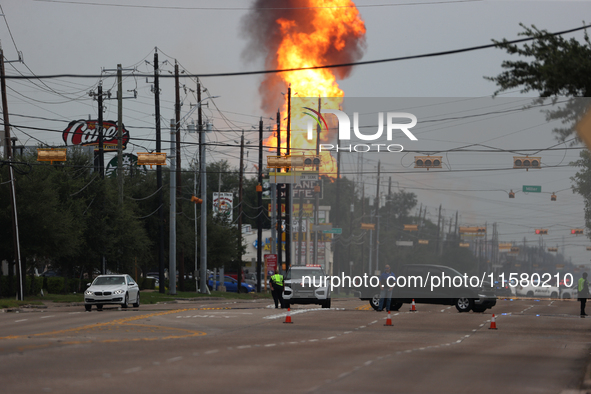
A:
(583, 292)
(276, 283)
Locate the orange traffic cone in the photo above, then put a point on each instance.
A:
(493, 323)
(412, 306)
(288, 317)
(388, 320)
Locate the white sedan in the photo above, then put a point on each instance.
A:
(112, 289)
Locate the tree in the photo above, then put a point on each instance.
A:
(558, 68)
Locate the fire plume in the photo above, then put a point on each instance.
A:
(300, 34)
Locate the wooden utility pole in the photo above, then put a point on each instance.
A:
(377, 217)
(159, 176)
(8, 149)
(288, 192)
(279, 189)
(260, 208)
(120, 133)
(240, 182)
(177, 111)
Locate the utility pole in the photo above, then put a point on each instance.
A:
(159, 176)
(377, 217)
(120, 133)
(177, 107)
(336, 265)
(260, 206)
(8, 150)
(317, 193)
(240, 182)
(203, 177)
(288, 196)
(172, 224)
(438, 230)
(279, 188)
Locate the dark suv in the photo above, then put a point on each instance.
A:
(417, 286)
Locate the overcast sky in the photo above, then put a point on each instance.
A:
(76, 37)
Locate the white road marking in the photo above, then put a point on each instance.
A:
(45, 317)
(132, 370)
(211, 351)
(171, 360)
(18, 321)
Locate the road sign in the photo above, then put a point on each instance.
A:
(308, 176)
(404, 243)
(333, 231)
(532, 189)
(322, 227)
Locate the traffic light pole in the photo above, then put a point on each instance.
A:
(279, 216)
(159, 177)
(260, 205)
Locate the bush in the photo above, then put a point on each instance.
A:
(190, 285)
(55, 285)
(147, 284)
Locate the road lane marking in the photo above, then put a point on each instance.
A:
(132, 370)
(18, 321)
(172, 360)
(211, 351)
(45, 317)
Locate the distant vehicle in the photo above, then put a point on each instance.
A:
(537, 289)
(50, 273)
(112, 289)
(231, 285)
(297, 292)
(465, 299)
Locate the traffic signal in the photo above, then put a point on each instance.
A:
(293, 161)
(511, 194)
(576, 231)
(428, 162)
(541, 231)
(553, 197)
(411, 227)
(151, 159)
(552, 249)
(196, 200)
(514, 249)
(51, 154)
(527, 162)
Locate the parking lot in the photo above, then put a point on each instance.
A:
(540, 346)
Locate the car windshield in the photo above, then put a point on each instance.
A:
(109, 280)
(298, 274)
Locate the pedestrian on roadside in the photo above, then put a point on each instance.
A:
(276, 283)
(583, 292)
(386, 288)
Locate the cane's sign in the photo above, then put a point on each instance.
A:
(85, 132)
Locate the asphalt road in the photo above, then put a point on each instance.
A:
(540, 346)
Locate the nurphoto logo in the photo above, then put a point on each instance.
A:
(391, 119)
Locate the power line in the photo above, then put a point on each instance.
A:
(339, 65)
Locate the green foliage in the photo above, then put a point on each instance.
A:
(55, 285)
(555, 67)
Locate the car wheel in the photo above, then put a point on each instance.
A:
(375, 301)
(88, 307)
(125, 301)
(395, 306)
(554, 295)
(464, 304)
(326, 303)
(99, 307)
(478, 309)
(530, 294)
(136, 304)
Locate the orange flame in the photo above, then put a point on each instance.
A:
(332, 28)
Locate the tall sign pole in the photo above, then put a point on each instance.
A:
(279, 213)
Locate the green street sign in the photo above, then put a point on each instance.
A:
(532, 189)
(333, 231)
